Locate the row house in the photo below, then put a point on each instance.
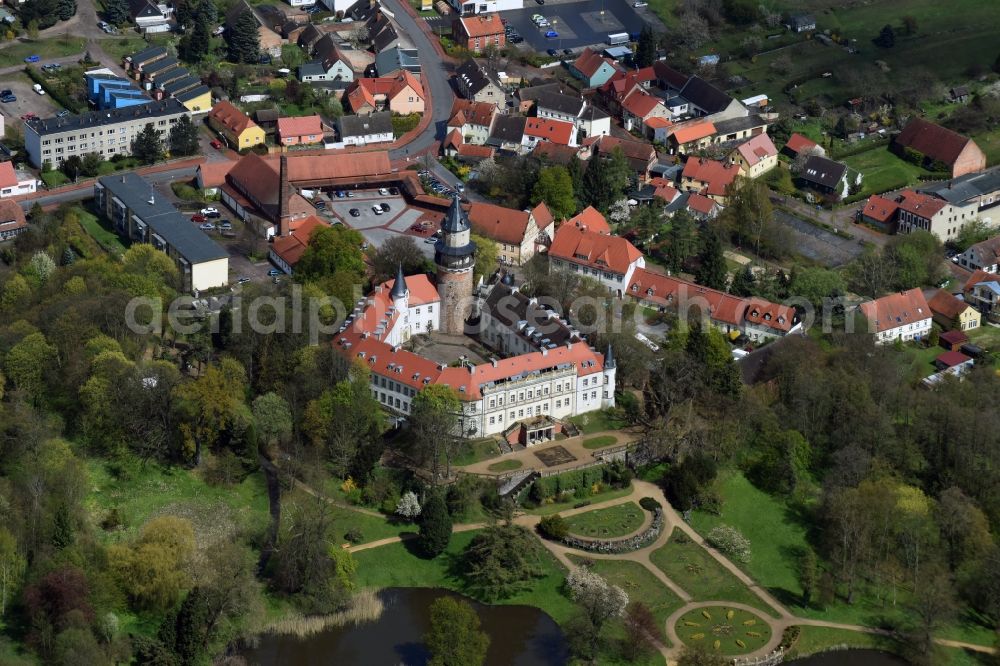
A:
(519, 234)
(903, 316)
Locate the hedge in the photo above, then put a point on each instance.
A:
(581, 478)
(54, 92)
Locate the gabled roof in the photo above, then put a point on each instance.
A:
(300, 126)
(757, 149)
(701, 204)
(824, 172)
(475, 77)
(880, 208)
(600, 251)
(11, 215)
(146, 55)
(634, 150)
(454, 139)
(213, 174)
(954, 337)
(366, 91)
(959, 191)
(506, 225)
(668, 75)
(980, 276)
(716, 175)
(797, 143)
(692, 131)
(231, 118)
(473, 151)
(590, 219)
(554, 153)
(507, 129)
(482, 25)
(657, 122)
(666, 290)
(934, 141)
(471, 112)
(588, 62)
(950, 359)
(895, 310)
(376, 123)
(985, 253)
(943, 303)
(921, 205)
(548, 129)
(640, 103)
(771, 315)
(705, 96)
(291, 247)
(567, 104)
(8, 177)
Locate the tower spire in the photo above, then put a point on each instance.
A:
(609, 358)
(399, 288)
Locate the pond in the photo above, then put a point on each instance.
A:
(519, 636)
(852, 657)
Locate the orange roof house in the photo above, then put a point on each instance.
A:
(239, 130)
(478, 31)
(12, 220)
(400, 93)
(601, 254)
(593, 68)
(709, 177)
(880, 211)
(550, 130)
(797, 144)
(590, 219)
(518, 232)
(958, 153)
(902, 316)
(286, 251)
(300, 130)
(689, 136)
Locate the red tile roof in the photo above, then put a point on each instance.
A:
(291, 248)
(230, 117)
(8, 177)
(213, 174)
(665, 290)
(300, 126)
(467, 111)
(507, 225)
(895, 310)
(701, 204)
(688, 132)
(920, 204)
(954, 337)
(946, 305)
(590, 219)
(950, 359)
(633, 150)
(757, 149)
(543, 216)
(554, 152)
(482, 25)
(11, 215)
(880, 208)
(932, 140)
(554, 131)
(601, 251)
(454, 139)
(666, 192)
(797, 143)
(472, 150)
(714, 175)
(657, 122)
(771, 315)
(978, 276)
(640, 103)
(589, 62)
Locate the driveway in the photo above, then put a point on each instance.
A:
(818, 244)
(28, 101)
(579, 24)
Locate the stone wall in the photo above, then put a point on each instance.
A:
(626, 545)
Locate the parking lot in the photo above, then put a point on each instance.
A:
(579, 24)
(377, 228)
(28, 101)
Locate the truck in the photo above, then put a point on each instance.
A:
(617, 38)
(38, 88)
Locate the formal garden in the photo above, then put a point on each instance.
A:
(615, 521)
(724, 630)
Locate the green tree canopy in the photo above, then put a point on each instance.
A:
(435, 526)
(147, 146)
(454, 637)
(555, 188)
(183, 138)
(243, 40)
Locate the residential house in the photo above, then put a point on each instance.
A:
(211, 176)
(959, 94)
(801, 22)
(54, 139)
(611, 260)
(983, 256)
(12, 220)
(270, 40)
(472, 7)
(974, 191)
(236, 127)
(668, 78)
(528, 96)
(707, 100)
(472, 120)
(982, 291)
(400, 93)
(827, 176)
(592, 68)
(395, 58)
(624, 83)
(658, 129)
(918, 210)
(518, 233)
(701, 206)
(365, 130)
(474, 82)
(640, 156)
(286, 251)
(739, 128)
(710, 178)
(902, 316)
(547, 130)
(950, 312)
(150, 17)
(473, 154)
(639, 108)
(507, 133)
(329, 64)
(690, 137)
(587, 118)
(477, 32)
(14, 182)
(756, 156)
(590, 219)
(798, 144)
(880, 212)
(959, 154)
(130, 203)
(550, 153)
(300, 131)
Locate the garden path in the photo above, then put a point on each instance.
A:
(529, 460)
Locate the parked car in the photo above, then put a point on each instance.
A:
(394, 191)
(567, 51)
(32, 58)
(385, 207)
(541, 2)
(226, 226)
(210, 211)
(207, 226)
(350, 195)
(273, 272)
(215, 143)
(384, 192)
(8, 98)
(551, 34)
(320, 204)
(640, 3)
(460, 187)
(198, 218)
(355, 212)
(340, 194)
(552, 52)
(430, 240)
(376, 210)
(62, 114)
(243, 280)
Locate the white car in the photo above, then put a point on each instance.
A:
(383, 191)
(646, 341)
(210, 210)
(376, 210)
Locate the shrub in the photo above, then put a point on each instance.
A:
(649, 504)
(553, 527)
(354, 535)
(617, 474)
(730, 541)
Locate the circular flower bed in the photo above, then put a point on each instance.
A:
(727, 631)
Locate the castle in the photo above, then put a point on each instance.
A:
(549, 373)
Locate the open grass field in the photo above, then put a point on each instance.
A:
(596, 422)
(724, 631)
(58, 47)
(396, 566)
(776, 536)
(698, 573)
(615, 521)
(639, 584)
(599, 442)
(506, 466)
(100, 232)
(556, 507)
(120, 47)
(819, 639)
(477, 450)
(883, 171)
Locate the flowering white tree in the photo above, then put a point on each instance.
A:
(408, 505)
(601, 600)
(730, 541)
(619, 212)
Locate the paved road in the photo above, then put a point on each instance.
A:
(436, 73)
(184, 173)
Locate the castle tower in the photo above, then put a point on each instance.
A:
(455, 257)
(610, 369)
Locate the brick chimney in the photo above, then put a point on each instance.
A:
(284, 217)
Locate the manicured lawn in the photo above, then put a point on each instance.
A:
(145, 491)
(919, 360)
(54, 178)
(817, 639)
(615, 521)
(395, 566)
(986, 336)
(698, 573)
(776, 536)
(506, 466)
(556, 507)
(120, 47)
(727, 631)
(45, 48)
(596, 422)
(106, 238)
(882, 170)
(640, 585)
(599, 442)
(476, 450)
